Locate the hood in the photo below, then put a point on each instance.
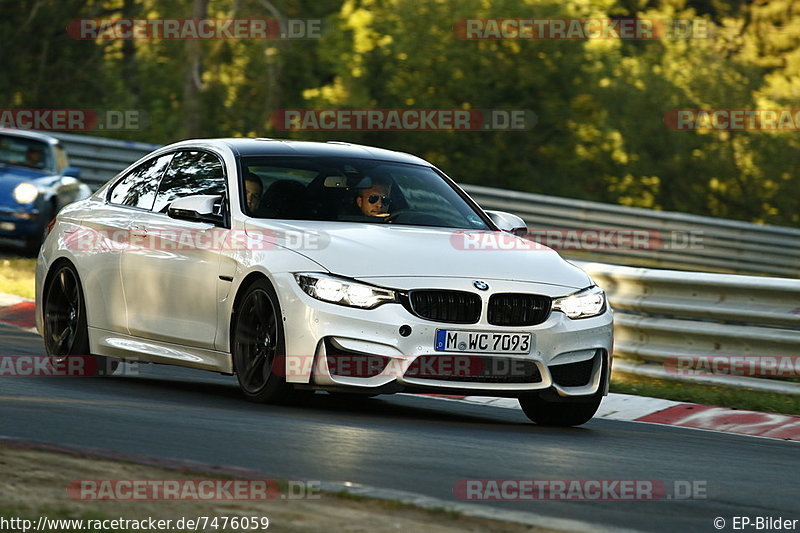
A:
(366, 251)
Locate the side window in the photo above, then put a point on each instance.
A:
(138, 188)
(190, 173)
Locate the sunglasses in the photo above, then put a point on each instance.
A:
(373, 198)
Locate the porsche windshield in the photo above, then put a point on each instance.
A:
(21, 151)
(352, 190)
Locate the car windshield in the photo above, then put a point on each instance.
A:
(352, 190)
(24, 152)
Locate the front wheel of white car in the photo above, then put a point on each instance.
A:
(559, 413)
(257, 345)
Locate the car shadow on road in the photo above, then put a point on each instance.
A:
(221, 392)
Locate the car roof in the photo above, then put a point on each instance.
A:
(263, 146)
(29, 135)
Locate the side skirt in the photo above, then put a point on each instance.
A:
(122, 346)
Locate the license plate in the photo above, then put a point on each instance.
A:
(453, 340)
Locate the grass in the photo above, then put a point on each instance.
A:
(16, 276)
(705, 394)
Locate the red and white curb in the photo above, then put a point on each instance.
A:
(671, 413)
(18, 311)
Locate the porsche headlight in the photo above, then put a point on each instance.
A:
(344, 291)
(25, 193)
(582, 304)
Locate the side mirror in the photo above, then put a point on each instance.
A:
(508, 222)
(199, 208)
(74, 172)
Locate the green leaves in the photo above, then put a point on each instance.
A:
(600, 105)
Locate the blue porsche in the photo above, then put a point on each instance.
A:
(36, 181)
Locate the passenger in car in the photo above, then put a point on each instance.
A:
(253, 190)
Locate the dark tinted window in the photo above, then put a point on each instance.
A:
(348, 190)
(138, 188)
(190, 173)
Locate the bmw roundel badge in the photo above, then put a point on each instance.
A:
(481, 285)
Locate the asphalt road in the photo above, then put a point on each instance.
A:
(408, 443)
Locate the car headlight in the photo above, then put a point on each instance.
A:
(25, 193)
(344, 291)
(582, 304)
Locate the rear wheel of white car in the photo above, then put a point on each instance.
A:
(64, 320)
(257, 345)
(559, 413)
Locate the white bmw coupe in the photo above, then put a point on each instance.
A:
(302, 266)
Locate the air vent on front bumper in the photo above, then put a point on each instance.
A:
(347, 363)
(573, 374)
(517, 309)
(455, 307)
(474, 369)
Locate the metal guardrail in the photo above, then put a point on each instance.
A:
(100, 159)
(662, 316)
(724, 245)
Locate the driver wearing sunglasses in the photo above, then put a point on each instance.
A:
(374, 202)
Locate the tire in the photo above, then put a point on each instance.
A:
(559, 414)
(258, 347)
(65, 328)
(546, 408)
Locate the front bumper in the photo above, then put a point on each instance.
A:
(567, 356)
(18, 224)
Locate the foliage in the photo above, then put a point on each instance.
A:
(600, 104)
